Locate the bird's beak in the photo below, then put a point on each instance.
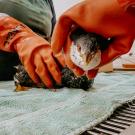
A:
(87, 58)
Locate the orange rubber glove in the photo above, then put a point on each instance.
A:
(34, 52)
(107, 18)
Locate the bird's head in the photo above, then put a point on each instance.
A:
(85, 50)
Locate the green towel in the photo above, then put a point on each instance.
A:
(67, 111)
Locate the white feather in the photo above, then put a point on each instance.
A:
(77, 59)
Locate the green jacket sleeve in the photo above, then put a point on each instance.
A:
(39, 15)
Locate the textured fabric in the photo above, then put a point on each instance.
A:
(37, 14)
(67, 111)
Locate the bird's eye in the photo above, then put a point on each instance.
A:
(79, 48)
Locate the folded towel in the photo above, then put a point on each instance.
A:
(66, 111)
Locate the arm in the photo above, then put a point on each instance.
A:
(88, 15)
(34, 52)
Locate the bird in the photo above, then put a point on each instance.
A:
(85, 47)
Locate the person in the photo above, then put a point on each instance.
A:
(17, 19)
(112, 19)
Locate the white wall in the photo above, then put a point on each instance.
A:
(62, 5)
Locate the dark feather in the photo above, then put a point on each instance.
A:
(21, 78)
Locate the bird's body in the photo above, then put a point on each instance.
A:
(23, 81)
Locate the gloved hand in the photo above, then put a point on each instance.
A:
(105, 18)
(34, 52)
